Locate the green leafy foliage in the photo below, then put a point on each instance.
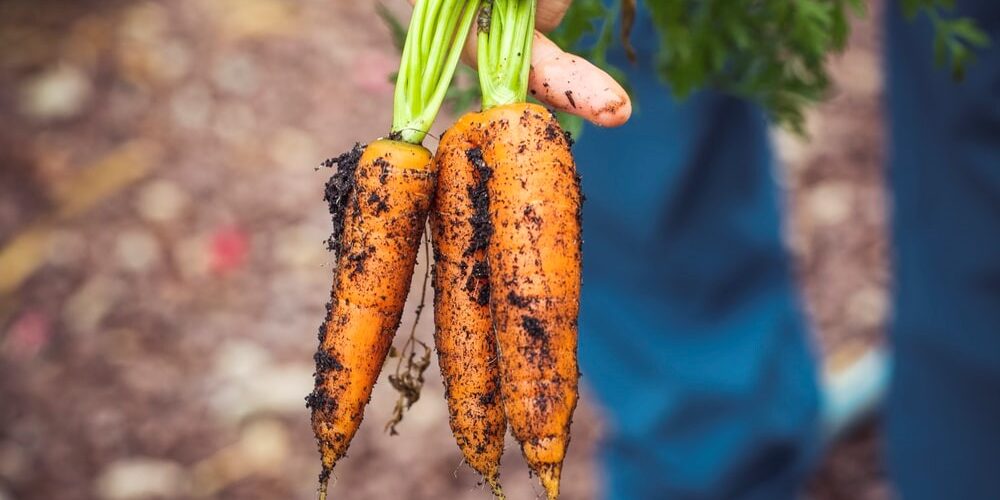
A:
(954, 39)
(771, 51)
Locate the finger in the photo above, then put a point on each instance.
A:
(572, 84)
(550, 14)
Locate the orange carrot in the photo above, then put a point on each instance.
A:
(466, 345)
(534, 251)
(534, 256)
(380, 210)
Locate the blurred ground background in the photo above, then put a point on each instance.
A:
(162, 267)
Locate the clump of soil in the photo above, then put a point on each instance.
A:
(338, 190)
(482, 228)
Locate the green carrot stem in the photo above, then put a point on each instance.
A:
(505, 51)
(434, 42)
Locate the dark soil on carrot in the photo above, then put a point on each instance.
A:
(482, 227)
(165, 230)
(339, 189)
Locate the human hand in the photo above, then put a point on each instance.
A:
(565, 81)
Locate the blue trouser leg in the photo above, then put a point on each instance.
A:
(944, 404)
(691, 333)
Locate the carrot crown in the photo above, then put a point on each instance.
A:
(434, 42)
(506, 31)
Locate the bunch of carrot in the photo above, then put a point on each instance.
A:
(504, 203)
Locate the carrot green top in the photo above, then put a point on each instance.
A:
(437, 34)
(506, 32)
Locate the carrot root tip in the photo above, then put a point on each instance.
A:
(549, 475)
(324, 481)
(494, 483)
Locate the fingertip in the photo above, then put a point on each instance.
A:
(572, 84)
(615, 113)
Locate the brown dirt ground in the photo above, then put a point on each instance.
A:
(163, 271)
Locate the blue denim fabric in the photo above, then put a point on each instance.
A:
(944, 404)
(691, 332)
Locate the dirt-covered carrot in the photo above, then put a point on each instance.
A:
(532, 202)
(534, 251)
(534, 256)
(466, 344)
(381, 203)
(379, 198)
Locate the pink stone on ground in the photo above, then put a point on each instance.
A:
(27, 336)
(229, 248)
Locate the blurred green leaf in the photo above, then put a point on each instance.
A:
(396, 28)
(770, 51)
(965, 29)
(464, 91)
(570, 123)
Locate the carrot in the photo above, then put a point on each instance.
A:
(466, 345)
(531, 226)
(535, 249)
(383, 213)
(534, 256)
(380, 198)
